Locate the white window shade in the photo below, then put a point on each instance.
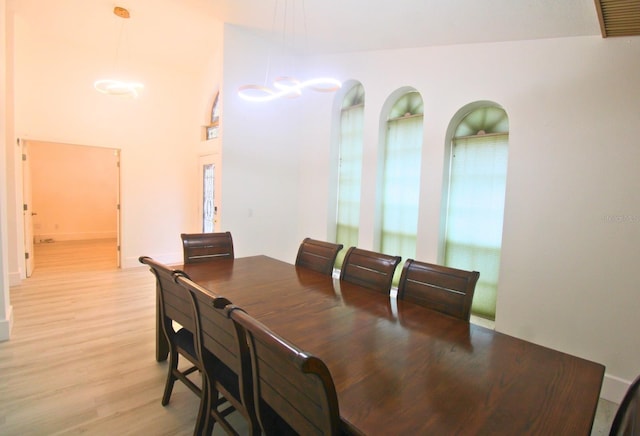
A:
(478, 175)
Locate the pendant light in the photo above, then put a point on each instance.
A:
(286, 86)
(119, 87)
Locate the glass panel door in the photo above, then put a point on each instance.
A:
(208, 196)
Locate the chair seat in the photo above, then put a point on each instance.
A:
(184, 340)
(273, 421)
(224, 375)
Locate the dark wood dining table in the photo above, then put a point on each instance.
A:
(402, 369)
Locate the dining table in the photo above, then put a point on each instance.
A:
(403, 369)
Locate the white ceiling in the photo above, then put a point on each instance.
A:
(354, 25)
(175, 29)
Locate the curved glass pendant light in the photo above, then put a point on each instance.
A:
(117, 87)
(287, 87)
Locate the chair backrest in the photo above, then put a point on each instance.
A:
(203, 247)
(445, 289)
(175, 303)
(369, 269)
(627, 419)
(289, 385)
(217, 331)
(217, 342)
(318, 255)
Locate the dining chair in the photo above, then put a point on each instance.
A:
(293, 391)
(175, 304)
(445, 289)
(204, 247)
(318, 255)
(219, 348)
(369, 269)
(627, 419)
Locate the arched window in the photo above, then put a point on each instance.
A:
(475, 200)
(401, 177)
(350, 169)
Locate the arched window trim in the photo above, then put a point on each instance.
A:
(352, 107)
(410, 104)
(451, 139)
(404, 117)
(480, 135)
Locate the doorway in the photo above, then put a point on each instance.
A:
(74, 197)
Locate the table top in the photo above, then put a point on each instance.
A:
(400, 368)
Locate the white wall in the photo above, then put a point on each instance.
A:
(159, 134)
(566, 274)
(74, 191)
(5, 305)
(260, 179)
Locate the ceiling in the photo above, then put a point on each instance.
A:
(354, 25)
(177, 29)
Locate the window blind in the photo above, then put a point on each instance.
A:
(478, 175)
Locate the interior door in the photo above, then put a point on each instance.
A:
(118, 250)
(27, 212)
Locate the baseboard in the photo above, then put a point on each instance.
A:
(614, 388)
(6, 325)
(15, 278)
(85, 236)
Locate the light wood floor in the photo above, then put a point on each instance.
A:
(81, 356)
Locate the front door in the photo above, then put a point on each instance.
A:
(208, 207)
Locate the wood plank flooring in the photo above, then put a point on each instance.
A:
(81, 356)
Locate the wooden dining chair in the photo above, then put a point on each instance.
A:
(445, 289)
(627, 419)
(369, 269)
(225, 371)
(293, 391)
(204, 247)
(318, 255)
(175, 304)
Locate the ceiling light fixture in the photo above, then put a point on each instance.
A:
(286, 86)
(118, 87)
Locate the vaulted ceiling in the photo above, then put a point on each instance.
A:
(175, 30)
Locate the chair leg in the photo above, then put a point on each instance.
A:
(202, 421)
(213, 414)
(171, 378)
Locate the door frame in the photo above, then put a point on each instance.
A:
(27, 200)
(27, 211)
